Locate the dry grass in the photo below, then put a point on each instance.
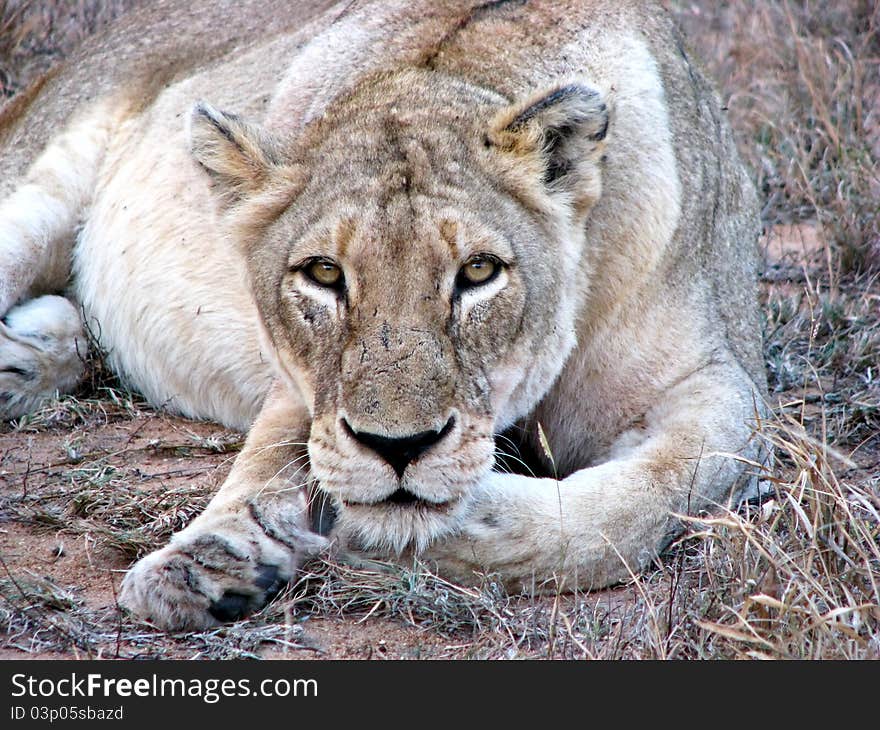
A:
(796, 576)
(802, 83)
(104, 493)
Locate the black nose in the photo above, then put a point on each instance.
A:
(399, 451)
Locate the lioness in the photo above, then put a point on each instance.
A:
(377, 235)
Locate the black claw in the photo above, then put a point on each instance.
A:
(270, 581)
(231, 607)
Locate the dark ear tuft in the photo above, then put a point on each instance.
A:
(567, 106)
(566, 126)
(238, 156)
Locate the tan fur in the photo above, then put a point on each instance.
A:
(572, 145)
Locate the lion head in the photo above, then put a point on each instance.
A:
(415, 255)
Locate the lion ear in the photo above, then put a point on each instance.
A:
(560, 134)
(238, 156)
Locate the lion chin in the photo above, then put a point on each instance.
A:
(402, 523)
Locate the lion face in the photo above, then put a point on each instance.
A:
(414, 257)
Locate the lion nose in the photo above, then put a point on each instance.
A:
(399, 451)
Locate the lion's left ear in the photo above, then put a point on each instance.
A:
(559, 134)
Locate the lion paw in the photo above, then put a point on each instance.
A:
(42, 346)
(216, 574)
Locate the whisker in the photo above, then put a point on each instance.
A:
(515, 459)
(280, 444)
(507, 439)
(280, 471)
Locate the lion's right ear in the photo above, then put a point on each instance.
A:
(238, 156)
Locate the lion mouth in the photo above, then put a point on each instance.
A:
(404, 498)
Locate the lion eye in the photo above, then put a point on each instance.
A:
(324, 272)
(477, 270)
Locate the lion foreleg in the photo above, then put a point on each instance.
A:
(251, 539)
(604, 523)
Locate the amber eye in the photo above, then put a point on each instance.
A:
(324, 272)
(477, 270)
